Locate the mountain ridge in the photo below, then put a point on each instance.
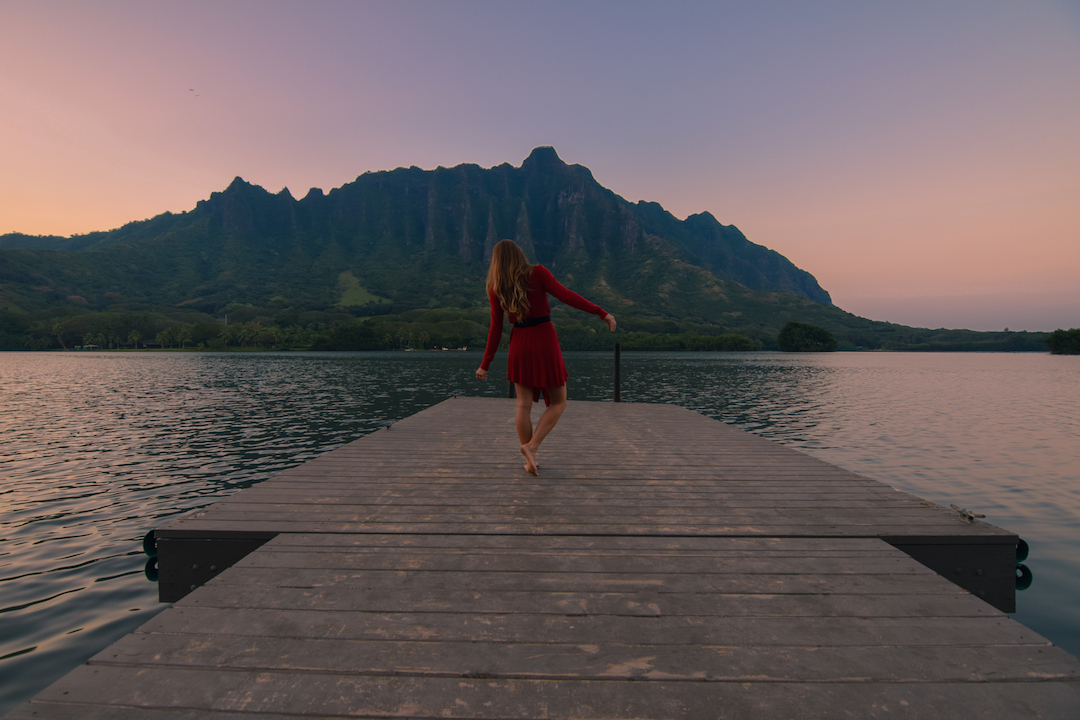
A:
(549, 207)
(408, 240)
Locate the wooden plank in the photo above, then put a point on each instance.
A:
(638, 630)
(726, 663)
(309, 694)
(461, 493)
(644, 475)
(536, 563)
(568, 506)
(905, 514)
(642, 486)
(669, 466)
(755, 546)
(260, 528)
(575, 515)
(81, 711)
(599, 582)
(573, 467)
(633, 604)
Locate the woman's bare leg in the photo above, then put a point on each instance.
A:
(523, 417)
(529, 448)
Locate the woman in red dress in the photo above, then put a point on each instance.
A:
(535, 365)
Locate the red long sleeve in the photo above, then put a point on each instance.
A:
(571, 298)
(494, 332)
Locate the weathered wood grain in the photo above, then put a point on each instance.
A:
(546, 563)
(610, 661)
(593, 544)
(634, 604)
(808, 582)
(309, 694)
(197, 527)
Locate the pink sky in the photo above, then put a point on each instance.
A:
(921, 159)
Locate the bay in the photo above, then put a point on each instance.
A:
(100, 447)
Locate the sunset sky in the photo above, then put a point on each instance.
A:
(920, 158)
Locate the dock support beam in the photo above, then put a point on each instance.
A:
(986, 570)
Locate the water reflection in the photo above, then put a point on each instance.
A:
(100, 447)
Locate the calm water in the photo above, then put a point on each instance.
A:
(98, 448)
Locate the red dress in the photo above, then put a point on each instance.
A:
(535, 358)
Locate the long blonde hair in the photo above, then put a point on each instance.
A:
(509, 276)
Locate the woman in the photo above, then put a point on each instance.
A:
(535, 365)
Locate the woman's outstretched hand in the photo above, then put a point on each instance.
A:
(610, 320)
(481, 374)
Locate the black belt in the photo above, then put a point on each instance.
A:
(533, 322)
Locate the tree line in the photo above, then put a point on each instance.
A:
(246, 327)
(1064, 342)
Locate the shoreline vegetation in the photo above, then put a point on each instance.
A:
(247, 328)
(1064, 342)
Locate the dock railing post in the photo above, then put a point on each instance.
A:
(618, 373)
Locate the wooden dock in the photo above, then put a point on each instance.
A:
(664, 565)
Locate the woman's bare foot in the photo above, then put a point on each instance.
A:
(530, 461)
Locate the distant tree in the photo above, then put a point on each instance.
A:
(295, 336)
(225, 336)
(1064, 342)
(249, 332)
(135, 336)
(57, 328)
(259, 334)
(803, 337)
(424, 338)
(183, 335)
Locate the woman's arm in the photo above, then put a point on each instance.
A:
(571, 298)
(494, 336)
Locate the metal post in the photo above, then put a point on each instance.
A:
(618, 373)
